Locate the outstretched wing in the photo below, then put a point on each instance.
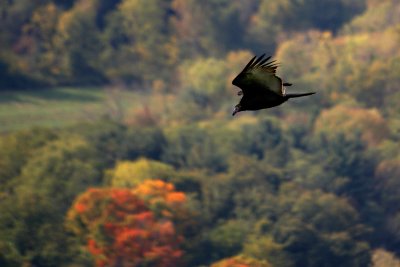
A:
(259, 77)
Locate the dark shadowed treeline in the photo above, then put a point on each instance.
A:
(174, 180)
(83, 42)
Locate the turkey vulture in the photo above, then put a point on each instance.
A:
(261, 88)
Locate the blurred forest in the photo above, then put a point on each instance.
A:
(175, 180)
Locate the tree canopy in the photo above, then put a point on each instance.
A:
(170, 179)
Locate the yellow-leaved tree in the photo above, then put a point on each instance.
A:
(132, 173)
(241, 261)
(352, 121)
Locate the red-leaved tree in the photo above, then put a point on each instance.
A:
(120, 229)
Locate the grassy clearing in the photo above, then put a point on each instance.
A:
(61, 107)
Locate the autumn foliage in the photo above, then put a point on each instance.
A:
(337, 120)
(157, 192)
(124, 92)
(240, 261)
(119, 228)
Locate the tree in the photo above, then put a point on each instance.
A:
(78, 36)
(386, 229)
(265, 248)
(17, 148)
(115, 141)
(241, 261)
(128, 174)
(345, 67)
(382, 258)
(265, 140)
(132, 54)
(372, 18)
(277, 18)
(161, 197)
(227, 238)
(192, 28)
(211, 28)
(203, 86)
(193, 147)
(259, 182)
(167, 203)
(119, 229)
(37, 46)
(369, 123)
(33, 209)
(312, 229)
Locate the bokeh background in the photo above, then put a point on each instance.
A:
(118, 148)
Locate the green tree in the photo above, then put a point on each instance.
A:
(258, 182)
(317, 229)
(16, 149)
(193, 147)
(33, 213)
(210, 28)
(39, 57)
(227, 238)
(130, 52)
(276, 18)
(264, 247)
(114, 141)
(203, 86)
(346, 169)
(265, 140)
(193, 29)
(386, 228)
(78, 37)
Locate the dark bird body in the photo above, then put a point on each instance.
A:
(261, 88)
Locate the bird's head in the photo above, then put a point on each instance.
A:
(237, 109)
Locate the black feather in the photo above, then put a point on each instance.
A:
(248, 64)
(271, 63)
(257, 61)
(263, 61)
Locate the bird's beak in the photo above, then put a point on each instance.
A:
(235, 110)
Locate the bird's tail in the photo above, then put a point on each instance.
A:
(298, 95)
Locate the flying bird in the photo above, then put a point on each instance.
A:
(261, 88)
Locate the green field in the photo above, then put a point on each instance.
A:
(61, 106)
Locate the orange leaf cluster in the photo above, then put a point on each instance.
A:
(158, 192)
(80, 207)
